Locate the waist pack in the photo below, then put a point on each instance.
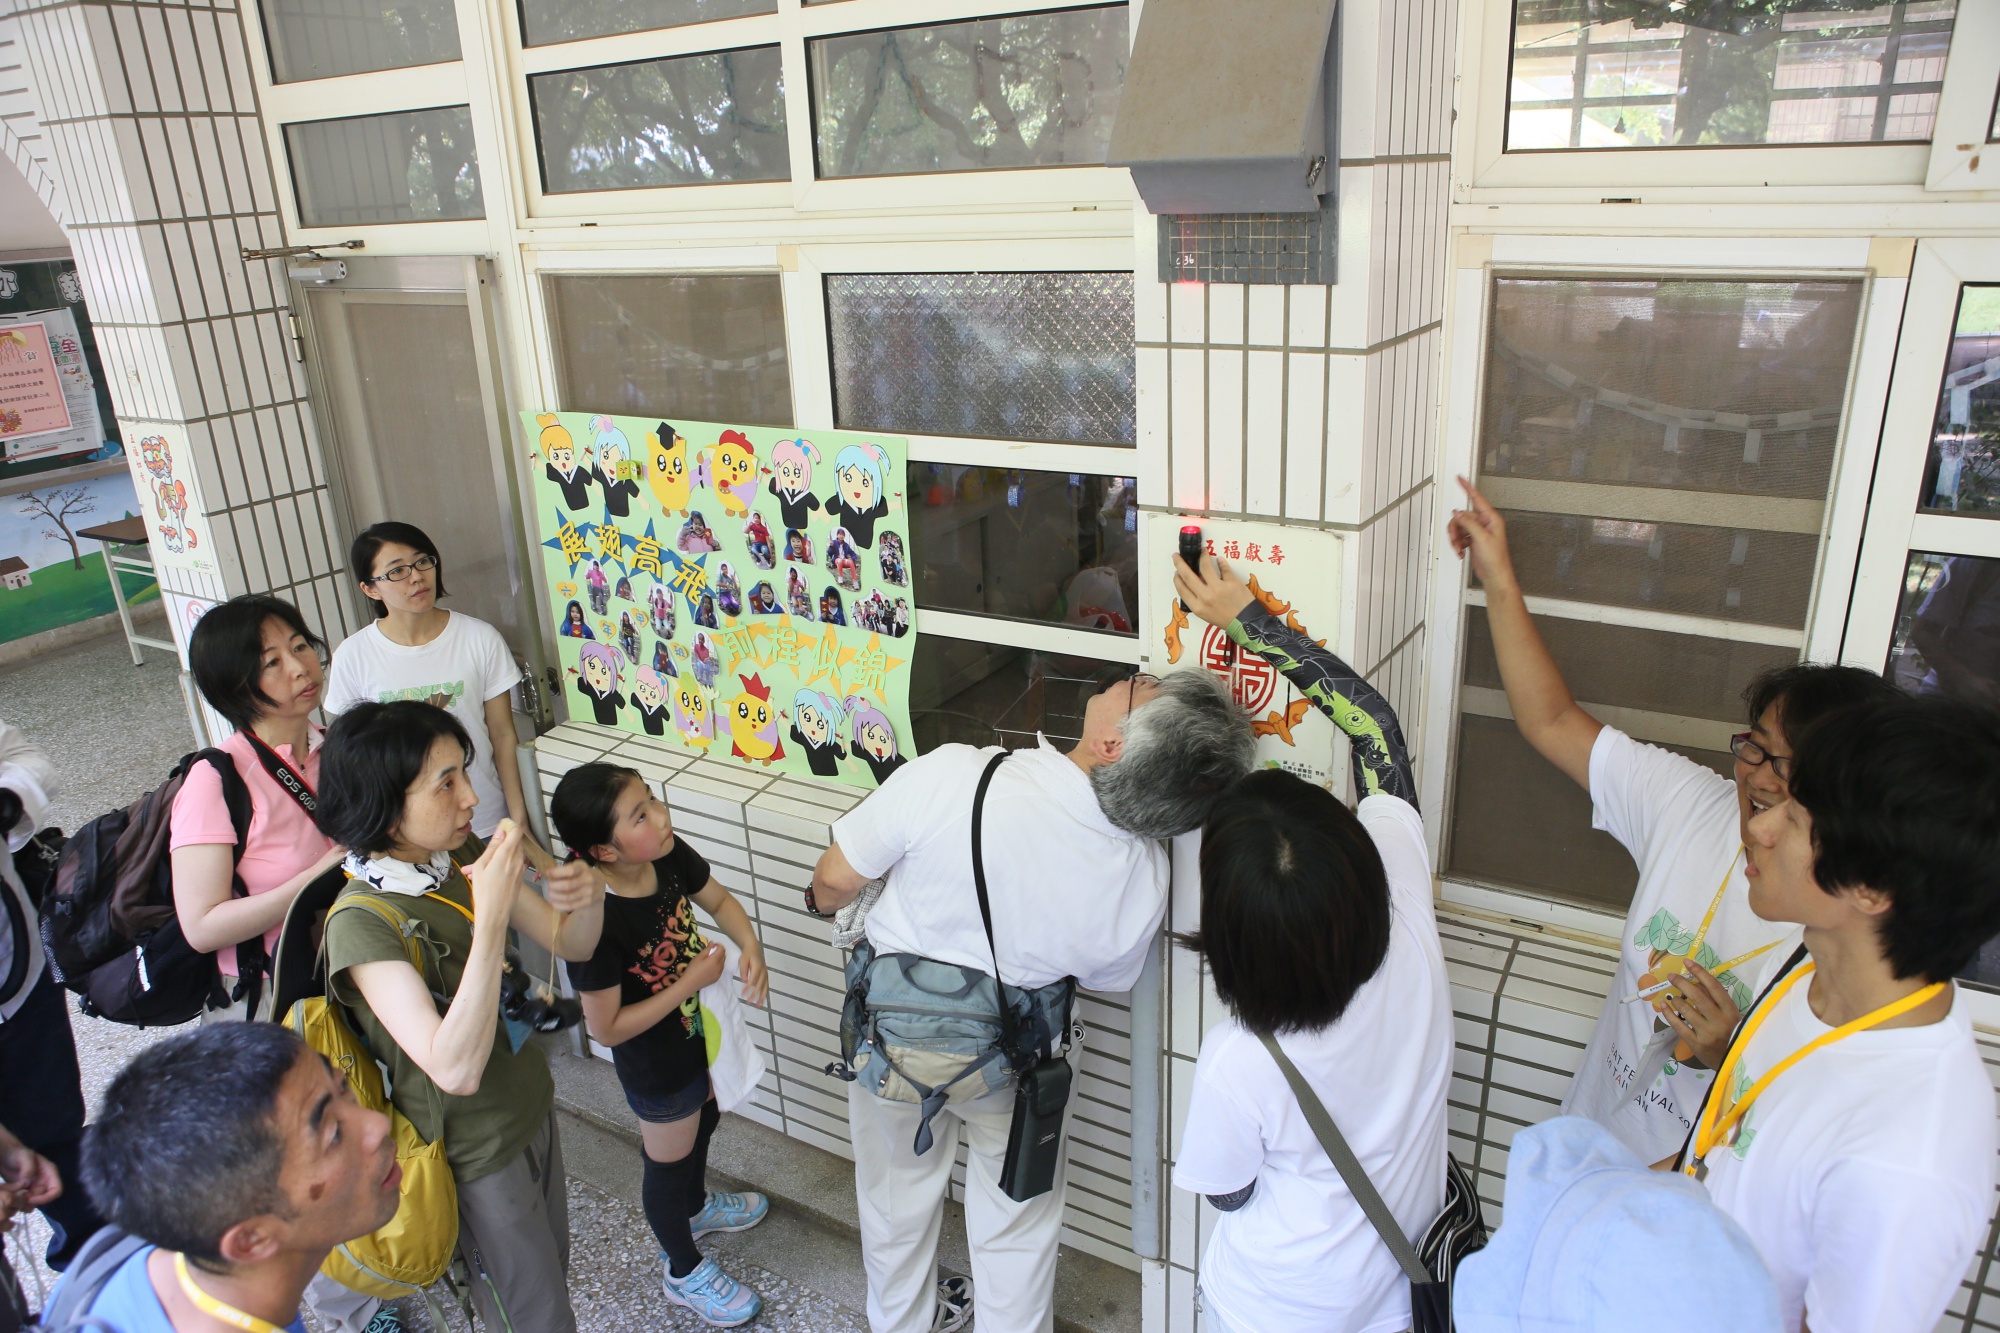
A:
(416, 1246)
(916, 1030)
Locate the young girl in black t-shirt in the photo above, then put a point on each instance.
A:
(641, 997)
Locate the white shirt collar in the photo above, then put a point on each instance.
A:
(1070, 784)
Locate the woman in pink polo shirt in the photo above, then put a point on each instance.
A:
(258, 665)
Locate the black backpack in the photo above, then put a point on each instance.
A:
(108, 925)
(68, 1311)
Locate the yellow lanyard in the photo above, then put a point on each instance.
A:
(215, 1309)
(1708, 919)
(1714, 1124)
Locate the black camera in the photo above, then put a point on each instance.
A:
(528, 1001)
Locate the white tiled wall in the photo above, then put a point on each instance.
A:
(763, 832)
(145, 121)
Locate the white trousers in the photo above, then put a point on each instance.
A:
(902, 1207)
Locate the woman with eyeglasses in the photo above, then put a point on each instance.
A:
(1678, 991)
(418, 650)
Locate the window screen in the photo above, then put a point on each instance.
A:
(1047, 546)
(702, 347)
(409, 166)
(1663, 74)
(318, 39)
(1012, 356)
(1963, 474)
(691, 120)
(1661, 449)
(969, 693)
(1030, 90)
(544, 22)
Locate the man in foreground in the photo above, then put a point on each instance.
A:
(1078, 884)
(238, 1157)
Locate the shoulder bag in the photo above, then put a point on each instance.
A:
(1459, 1230)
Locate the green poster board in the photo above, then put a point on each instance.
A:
(743, 589)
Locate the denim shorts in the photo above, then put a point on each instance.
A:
(665, 1109)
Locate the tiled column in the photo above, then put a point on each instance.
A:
(1313, 406)
(149, 123)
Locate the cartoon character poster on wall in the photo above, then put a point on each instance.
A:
(1296, 574)
(701, 576)
(157, 453)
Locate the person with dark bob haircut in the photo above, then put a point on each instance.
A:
(1318, 930)
(394, 789)
(258, 664)
(238, 1156)
(1690, 926)
(1850, 1130)
(415, 649)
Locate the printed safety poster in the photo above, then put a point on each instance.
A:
(745, 589)
(1295, 572)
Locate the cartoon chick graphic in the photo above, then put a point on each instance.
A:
(729, 468)
(692, 718)
(667, 468)
(753, 723)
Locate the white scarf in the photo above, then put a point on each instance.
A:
(411, 879)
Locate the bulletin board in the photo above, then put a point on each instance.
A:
(1295, 573)
(744, 590)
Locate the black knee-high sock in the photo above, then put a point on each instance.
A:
(664, 1191)
(697, 1181)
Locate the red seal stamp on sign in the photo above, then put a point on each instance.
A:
(1250, 678)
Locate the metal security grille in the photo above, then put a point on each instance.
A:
(1007, 356)
(1288, 248)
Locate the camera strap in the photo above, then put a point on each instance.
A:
(285, 775)
(1009, 1035)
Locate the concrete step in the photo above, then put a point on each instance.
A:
(813, 1235)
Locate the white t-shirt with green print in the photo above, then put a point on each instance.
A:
(1679, 820)
(1864, 1173)
(463, 667)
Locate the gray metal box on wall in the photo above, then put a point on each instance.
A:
(1230, 106)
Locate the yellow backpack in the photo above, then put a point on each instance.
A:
(415, 1248)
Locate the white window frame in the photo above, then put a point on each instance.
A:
(492, 78)
(1961, 158)
(1652, 256)
(1762, 174)
(802, 271)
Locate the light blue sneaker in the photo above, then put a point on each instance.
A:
(729, 1212)
(718, 1299)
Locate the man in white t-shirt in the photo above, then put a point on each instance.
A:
(1078, 883)
(1851, 1132)
(1649, 1061)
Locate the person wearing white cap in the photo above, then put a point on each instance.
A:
(1593, 1241)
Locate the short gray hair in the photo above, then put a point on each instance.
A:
(1183, 749)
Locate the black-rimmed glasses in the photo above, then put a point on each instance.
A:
(1743, 747)
(423, 564)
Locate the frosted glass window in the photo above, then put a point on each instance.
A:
(968, 693)
(690, 120)
(544, 22)
(1587, 75)
(1661, 448)
(1016, 356)
(1963, 473)
(1025, 545)
(317, 39)
(700, 347)
(1031, 90)
(408, 166)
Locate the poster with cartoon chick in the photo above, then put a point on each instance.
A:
(655, 537)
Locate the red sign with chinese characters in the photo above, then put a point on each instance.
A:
(1250, 678)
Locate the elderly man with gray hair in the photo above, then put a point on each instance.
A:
(1069, 849)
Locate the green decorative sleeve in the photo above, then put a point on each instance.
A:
(1381, 759)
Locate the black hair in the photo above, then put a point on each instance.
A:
(1805, 692)
(372, 755)
(226, 653)
(184, 1145)
(1294, 903)
(583, 808)
(1905, 799)
(369, 543)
